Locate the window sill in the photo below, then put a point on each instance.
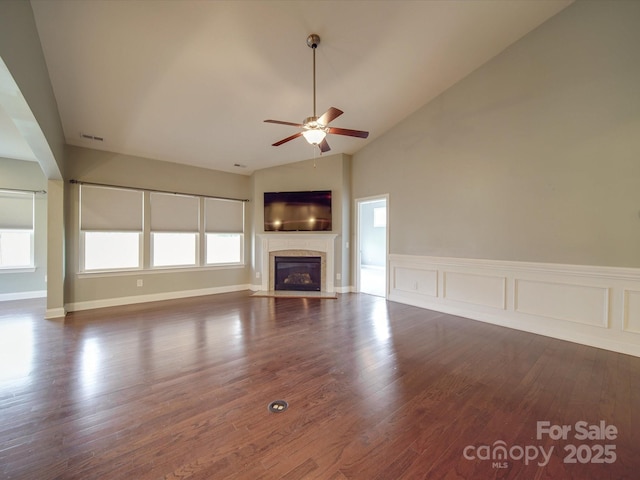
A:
(158, 270)
(17, 269)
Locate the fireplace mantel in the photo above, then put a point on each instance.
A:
(315, 242)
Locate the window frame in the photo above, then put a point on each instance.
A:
(146, 241)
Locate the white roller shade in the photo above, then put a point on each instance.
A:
(16, 210)
(224, 216)
(110, 209)
(174, 213)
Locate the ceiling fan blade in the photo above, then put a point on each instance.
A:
(288, 139)
(329, 116)
(324, 146)
(349, 133)
(284, 123)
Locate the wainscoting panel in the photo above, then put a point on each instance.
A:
(596, 306)
(489, 291)
(632, 311)
(423, 282)
(575, 303)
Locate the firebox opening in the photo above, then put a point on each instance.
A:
(298, 273)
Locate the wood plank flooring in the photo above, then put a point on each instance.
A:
(376, 390)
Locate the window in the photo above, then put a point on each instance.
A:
(224, 248)
(380, 217)
(174, 249)
(175, 223)
(127, 229)
(110, 228)
(16, 249)
(111, 250)
(16, 229)
(224, 231)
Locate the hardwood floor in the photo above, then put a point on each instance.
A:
(376, 390)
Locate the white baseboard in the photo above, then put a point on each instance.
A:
(7, 297)
(346, 289)
(114, 302)
(55, 313)
(595, 306)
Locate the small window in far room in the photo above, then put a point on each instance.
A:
(16, 229)
(380, 217)
(16, 248)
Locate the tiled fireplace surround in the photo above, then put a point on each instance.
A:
(298, 245)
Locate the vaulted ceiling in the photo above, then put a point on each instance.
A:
(192, 81)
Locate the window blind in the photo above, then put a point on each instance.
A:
(110, 209)
(16, 210)
(174, 213)
(224, 216)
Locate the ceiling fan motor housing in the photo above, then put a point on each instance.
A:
(312, 122)
(313, 40)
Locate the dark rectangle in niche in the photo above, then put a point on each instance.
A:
(298, 273)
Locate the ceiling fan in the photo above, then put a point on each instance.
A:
(314, 129)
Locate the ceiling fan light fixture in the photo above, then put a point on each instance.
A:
(314, 135)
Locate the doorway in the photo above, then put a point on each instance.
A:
(372, 239)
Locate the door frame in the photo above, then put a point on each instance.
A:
(358, 237)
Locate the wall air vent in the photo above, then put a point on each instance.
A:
(91, 137)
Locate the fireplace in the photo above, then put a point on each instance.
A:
(273, 245)
(298, 273)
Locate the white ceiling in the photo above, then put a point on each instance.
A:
(192, 81)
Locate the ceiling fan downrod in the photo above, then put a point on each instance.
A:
(313, 41)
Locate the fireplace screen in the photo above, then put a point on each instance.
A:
(298, 273)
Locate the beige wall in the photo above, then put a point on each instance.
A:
(533, 157)
(325, 173)
(56, 252)
(84, 291)
(22, 53)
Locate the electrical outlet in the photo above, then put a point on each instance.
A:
(139, 282)
(338, 276)
(257, 274)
